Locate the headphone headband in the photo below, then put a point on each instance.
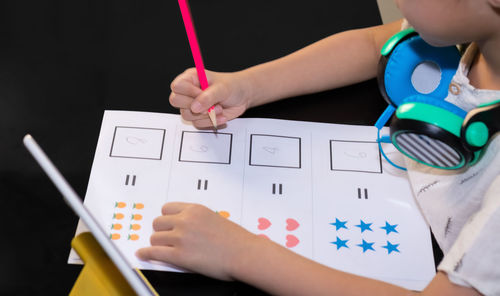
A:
(396, 39)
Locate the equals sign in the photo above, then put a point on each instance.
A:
(280, 188)
(127, 179)
(205, 185)
(360, 194)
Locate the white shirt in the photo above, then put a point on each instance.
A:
(463, 207)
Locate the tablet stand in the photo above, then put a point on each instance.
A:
(99, 275)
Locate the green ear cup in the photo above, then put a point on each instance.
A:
(477, 134)
(428, 131)
(432, 115)
(480, 124)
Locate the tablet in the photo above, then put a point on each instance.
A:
(137, 283)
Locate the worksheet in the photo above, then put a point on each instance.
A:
(320, 190)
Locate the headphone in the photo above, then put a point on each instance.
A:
(414, 78)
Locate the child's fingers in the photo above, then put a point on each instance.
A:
(192, 75)
(203, 124)
(207, 123)
(187, 84)
(185, 88)
(159, 253)
(173, 208)
(209, 97)
(163, 238)
(163, 223)
(180, 101)
(190, 116)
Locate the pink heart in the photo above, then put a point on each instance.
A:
(291, 241)
(263, 224)
(291, 224)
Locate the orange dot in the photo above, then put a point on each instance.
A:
(133, 237)
(116, 226)
(137, 217)
(224, 214)
(135, 226)
(138, 205)
(120, 205)
(114, 236)
(118, 216)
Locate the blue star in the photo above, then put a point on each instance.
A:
(390, 247)
(366, 246)
(364, 226)
(340, 243)
(389, 228)
(339, 224)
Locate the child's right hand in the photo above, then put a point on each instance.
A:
(228, 92)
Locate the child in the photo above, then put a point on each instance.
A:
(462, 207)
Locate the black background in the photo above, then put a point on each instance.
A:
(62, 63)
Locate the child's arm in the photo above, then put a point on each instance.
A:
(338, 60)
(193, 237)
(341, 59)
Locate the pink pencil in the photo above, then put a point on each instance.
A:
(195, 50)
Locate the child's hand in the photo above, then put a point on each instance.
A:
(229, 92)
(198, 239)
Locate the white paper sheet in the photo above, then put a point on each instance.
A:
(321, 190)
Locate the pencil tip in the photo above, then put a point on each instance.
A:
(213, 118)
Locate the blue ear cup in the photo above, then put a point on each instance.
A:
(410, 56)
(428, 130)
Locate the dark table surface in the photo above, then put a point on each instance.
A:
(62, 63)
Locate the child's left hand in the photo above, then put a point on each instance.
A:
(198, 239)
